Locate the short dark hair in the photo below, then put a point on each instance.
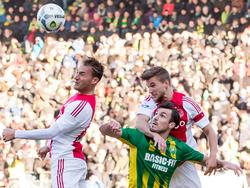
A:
(175, 117)
(97, 67)
(161, 74)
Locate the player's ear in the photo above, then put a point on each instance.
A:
(95, 80)
(167, 83)
(171, 125)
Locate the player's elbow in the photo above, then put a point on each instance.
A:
(208, 130)
(141, 121)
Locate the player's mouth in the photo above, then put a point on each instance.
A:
(154, 123)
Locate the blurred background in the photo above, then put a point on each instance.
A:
(205, 44)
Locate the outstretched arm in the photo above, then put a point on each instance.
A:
(224, 164)
(113, 129)
(37, 134)
(212, 139)
(67, 122)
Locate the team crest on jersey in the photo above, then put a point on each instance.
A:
(172, 149)
(151, 146)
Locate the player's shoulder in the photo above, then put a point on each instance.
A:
(77, 107)
(172, 139)
(148, 100)
(190, 103)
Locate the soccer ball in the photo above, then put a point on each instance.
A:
(51, 17)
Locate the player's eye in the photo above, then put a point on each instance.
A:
(162, 115)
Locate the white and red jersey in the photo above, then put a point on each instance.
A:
(189, 111)
(75, 117)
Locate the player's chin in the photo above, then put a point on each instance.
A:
(75, 87)
(152, 129)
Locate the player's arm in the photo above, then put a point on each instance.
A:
(141, 123)
(212, 139)
(112, 129)
(189, 154)
(67, 122)
(129, 136)
(225, 165)
(198, 116)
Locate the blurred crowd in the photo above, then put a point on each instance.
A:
(204, 44)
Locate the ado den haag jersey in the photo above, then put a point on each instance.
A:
(149, 168)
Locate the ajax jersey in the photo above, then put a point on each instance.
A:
(189, 111)
(74, 119)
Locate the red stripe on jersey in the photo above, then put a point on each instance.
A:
(50, 148)
(60, 168)
(197, 108)
(198, 117)
(58, 175)
(62, 172)
(78, 109)
(82, 107)
(148, 98)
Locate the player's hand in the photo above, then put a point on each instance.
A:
(8, 134)
(236, 168)
(211, 165)
(43, 152)
(115, 127)
(160, 142)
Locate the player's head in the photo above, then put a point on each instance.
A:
(89, 72)
(158, 82)
(166, 118)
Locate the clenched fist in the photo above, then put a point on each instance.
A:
(43, 152)
(8, 134)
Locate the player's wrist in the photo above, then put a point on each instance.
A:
(213, 155)
(14, 133)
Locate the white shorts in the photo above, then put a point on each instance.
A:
(68, 173)
(185, 176)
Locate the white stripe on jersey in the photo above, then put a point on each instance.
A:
(193, 103)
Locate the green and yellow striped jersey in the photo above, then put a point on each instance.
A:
(149, 168)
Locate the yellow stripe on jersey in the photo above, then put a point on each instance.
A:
(126, 142)
(145, 179)
(133, 168)
(165, 185)
(156, 182)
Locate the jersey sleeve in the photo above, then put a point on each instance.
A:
(131, 137)
(76, 114)
(190, 154)
(147, 107)
(195, 112)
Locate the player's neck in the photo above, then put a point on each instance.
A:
(87, 92)
(168, 95)
(165, 135)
